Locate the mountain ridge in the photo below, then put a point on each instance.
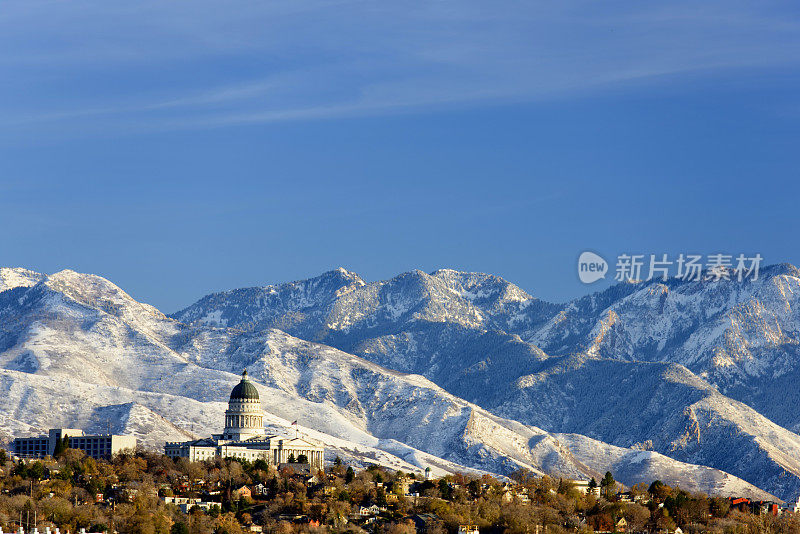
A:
(125, 357)
(479, 337)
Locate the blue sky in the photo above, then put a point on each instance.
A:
(179, 148)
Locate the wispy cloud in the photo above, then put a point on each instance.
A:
(199, 64)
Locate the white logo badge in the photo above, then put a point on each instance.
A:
(591, 267)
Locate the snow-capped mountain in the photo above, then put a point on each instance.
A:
(741, 337)
(447, 326)
(17, 277)
(704, 372)
(76, 350)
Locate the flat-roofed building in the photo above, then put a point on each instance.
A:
(96, 446)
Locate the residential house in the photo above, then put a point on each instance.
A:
(426, 522)
(203, 505)
(298, 519)
(185, 504)
(624, 496)
(511, 493)
(583, 487)
(368, 511)
(765, 508)
(741, 504)
(792, 507)
(242, 493)
(402, 485)
(303, 472)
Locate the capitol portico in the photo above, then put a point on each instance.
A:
(244, 436)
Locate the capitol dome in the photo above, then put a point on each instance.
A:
(244, 419)
(244, 390)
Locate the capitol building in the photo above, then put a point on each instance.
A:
(244, 436)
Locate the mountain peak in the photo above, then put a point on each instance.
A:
(96, 292)
(345, 272)
(475, 286)
(343, 275)
(11, 277)
(82, 286)
(780, 269)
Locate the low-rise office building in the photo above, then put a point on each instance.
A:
(96, 446)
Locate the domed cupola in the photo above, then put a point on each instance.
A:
(244, 418)
(244, 390)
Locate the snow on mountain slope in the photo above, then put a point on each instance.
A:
(738, 336)
(663, 407)
(340, 301)
(301, 304)
(47, 328)
(742, 337)
(446, 326)
(714, 327)
(79, 351)
(11, 277)
(629, 465)
(385, 403)
(85, 328)
(489, 342)
(30, 404)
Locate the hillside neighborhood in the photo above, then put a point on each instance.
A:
(143, 492)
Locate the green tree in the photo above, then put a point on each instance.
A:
(179, 528)
(302, 459)
(36, 471)
(608, 486)
(719, 506)
(291, 458)
(592, 487)
(61, 446)
(474, 489)
(349, 475)
(565, 486)
(659, 490)
(444, 489)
